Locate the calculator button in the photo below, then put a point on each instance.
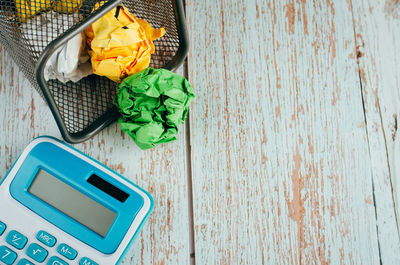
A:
(36, 252)
(46, 238)
(56, 261)
(7, 255)
(16, 240)
(87, 261)
(2, 228)
(25, 262)
(67, 251)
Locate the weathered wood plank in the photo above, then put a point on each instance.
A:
(377, 28)
(23, 113)
(281, 172)
(162, 171)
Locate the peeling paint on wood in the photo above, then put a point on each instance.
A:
(377, 36)
(20, 104)
(280, 171)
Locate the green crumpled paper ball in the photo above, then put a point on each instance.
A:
(152, 104)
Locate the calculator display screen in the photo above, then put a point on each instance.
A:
(72, 202)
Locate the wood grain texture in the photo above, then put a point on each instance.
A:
(281, 171)
(377, 27)
(162, 171)
(23, 113)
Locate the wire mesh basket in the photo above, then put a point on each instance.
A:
(84, 108)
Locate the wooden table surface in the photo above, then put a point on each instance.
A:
(290, 154)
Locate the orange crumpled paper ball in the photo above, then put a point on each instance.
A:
(121, 44)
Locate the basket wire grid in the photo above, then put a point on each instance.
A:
(83, 108)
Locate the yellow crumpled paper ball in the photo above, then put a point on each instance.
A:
(121, 44)
(29, 8)
(67, 6)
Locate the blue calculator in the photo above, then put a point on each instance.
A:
(59, 207)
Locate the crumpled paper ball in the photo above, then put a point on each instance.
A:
(29, 8)
(70, 62)
(152, 104)
(121, 44)
(67, 6)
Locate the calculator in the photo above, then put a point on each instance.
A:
(59, 207)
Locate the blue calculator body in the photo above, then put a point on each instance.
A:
(58, 207)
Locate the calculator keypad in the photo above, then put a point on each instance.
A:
(34, 251)
(67, 251)
(16, 239)
(25, 262)
(87, 261)
(2, 228)
(56, 261)
(7, 255)
(46, 238)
